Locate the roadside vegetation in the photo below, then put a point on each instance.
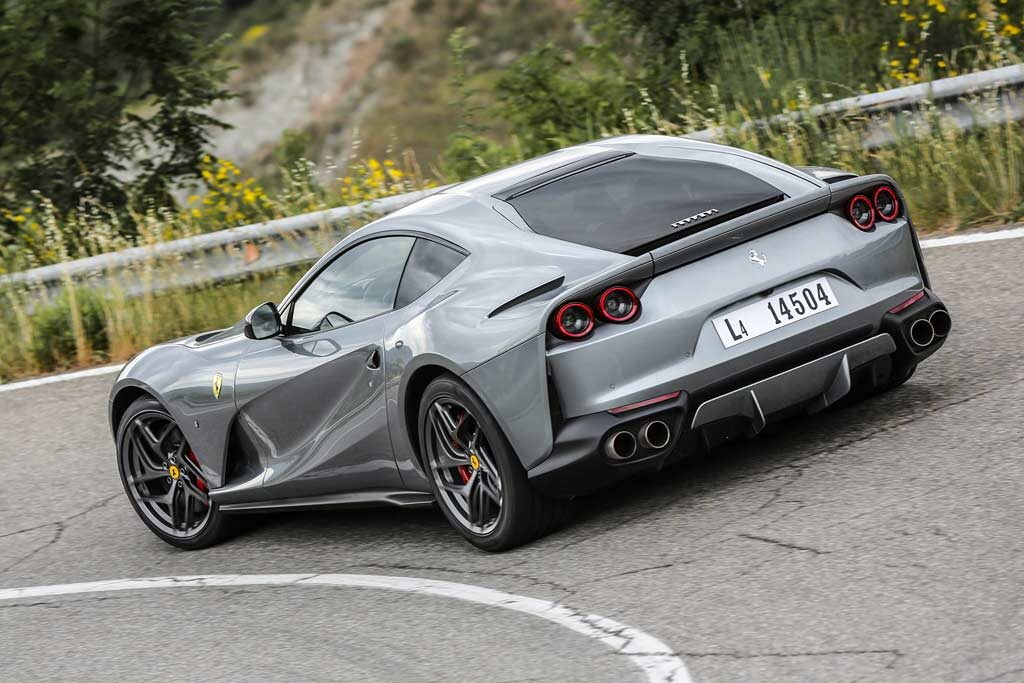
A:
(473, 85)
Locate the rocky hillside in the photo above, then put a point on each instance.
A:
(320, 78)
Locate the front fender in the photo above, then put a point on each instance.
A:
(182, 379)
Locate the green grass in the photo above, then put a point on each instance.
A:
(84, 327)
(952, 178)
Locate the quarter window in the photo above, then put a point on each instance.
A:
(359, 284)
(428, 263)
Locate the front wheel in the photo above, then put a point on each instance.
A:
(475, 475)
(163, 479)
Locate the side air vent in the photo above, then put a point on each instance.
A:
(526, 296)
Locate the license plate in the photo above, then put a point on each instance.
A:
(778, 310)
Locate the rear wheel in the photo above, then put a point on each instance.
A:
(475, 476)
(163, 478)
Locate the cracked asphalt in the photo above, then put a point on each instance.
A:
(881, 541)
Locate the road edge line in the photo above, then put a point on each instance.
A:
(658, 662)
(973, 238)
(64, 377)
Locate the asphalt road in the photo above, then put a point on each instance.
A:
(883, 541)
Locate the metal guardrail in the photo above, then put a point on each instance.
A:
(292, 241)
(212, 257)
(947, 93)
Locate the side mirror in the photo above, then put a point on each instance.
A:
(263, 322)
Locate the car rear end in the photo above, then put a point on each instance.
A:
(770, 292)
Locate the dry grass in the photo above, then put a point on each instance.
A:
(951, 179)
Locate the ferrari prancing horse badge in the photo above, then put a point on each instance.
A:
(218, 382)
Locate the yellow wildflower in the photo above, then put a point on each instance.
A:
(254, 33)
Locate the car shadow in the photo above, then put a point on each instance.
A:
(720, 469)
(780, 445)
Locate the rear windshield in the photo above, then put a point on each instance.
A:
(637, 203)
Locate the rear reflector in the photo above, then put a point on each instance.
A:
(643, 404)
(908, 303)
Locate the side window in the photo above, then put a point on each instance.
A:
(428, 263)
(357, 285)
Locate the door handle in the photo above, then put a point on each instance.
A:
(373, 360)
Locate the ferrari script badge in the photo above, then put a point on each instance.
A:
(695, 217)
(218, 382)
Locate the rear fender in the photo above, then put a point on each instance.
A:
(844, 191)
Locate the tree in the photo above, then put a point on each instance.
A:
(104, 99)
(658, 31)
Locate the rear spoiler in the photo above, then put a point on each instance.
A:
(741, 229)
(640, 270)
(826, 174)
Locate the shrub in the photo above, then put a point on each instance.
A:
(59, 340)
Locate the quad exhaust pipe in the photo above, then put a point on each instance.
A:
(941, 323)
(653, 436)
(620, 446)
(924, 331)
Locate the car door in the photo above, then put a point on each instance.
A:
(311, 401)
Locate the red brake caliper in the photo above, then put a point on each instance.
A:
(463, 471)
(200, 484)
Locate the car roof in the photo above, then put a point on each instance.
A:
(473, 210)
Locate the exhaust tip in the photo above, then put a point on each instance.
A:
(941, 323)
(655, 435)
(922, 333)
(620, 446)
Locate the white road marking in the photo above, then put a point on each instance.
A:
(650, 655)
(951, 241)
(66, 377)
(973, 238)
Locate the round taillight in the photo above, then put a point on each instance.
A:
(861, 212)
(574, 320)
(618, 304)
(886, 205)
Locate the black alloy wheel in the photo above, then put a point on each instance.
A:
(474, 473)
(164, 480)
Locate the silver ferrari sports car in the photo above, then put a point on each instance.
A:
(531, 335)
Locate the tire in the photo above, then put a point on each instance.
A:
(170, 503)
(522, 514)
